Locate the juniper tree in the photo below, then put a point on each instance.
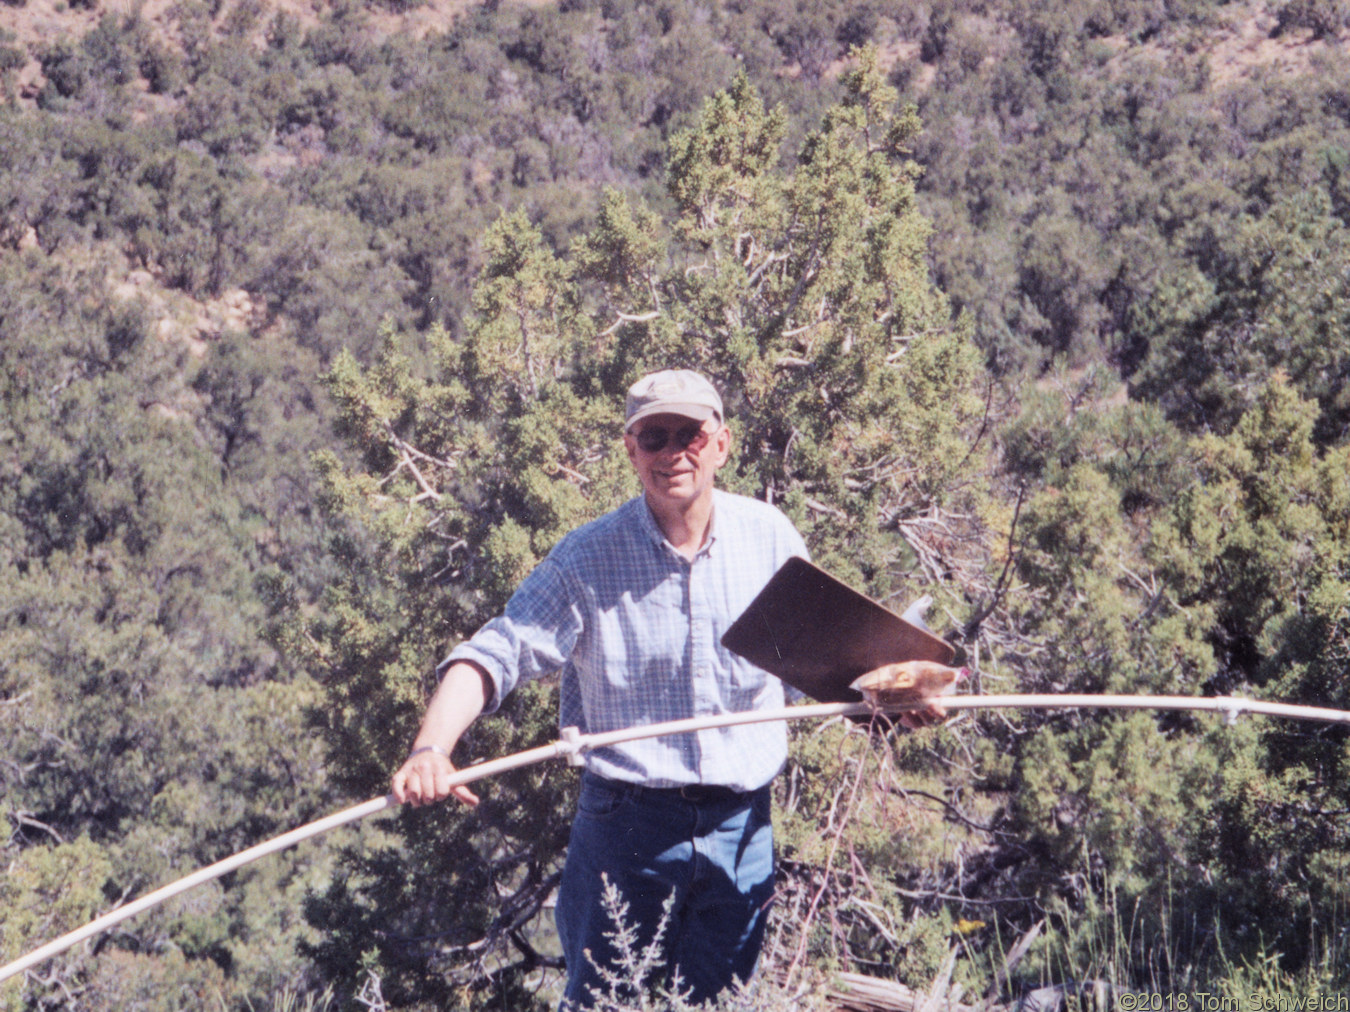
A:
(1269, 295)
(850, 388)
(145, 726)
(1227, 842)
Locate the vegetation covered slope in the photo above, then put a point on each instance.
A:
(1061, 343)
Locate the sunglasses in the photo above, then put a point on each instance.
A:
(654, 439)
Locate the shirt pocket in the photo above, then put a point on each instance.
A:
(748, 685)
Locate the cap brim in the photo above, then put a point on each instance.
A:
(696, 412)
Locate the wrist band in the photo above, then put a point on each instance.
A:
(429, 748)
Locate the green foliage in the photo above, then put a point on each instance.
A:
(1271, 299)
(1264, 538)
(1234, 585)
(1073, 182)
(46, 892)
(1103, 200)
(1261, 532)
(863, 831)
(1083, 598)
(815, 306)
(142, 713)
(195, 225)
(795, 290)
(1068, 420)
(1322, 17)
(11, 59)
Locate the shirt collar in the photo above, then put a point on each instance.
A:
(647, 521)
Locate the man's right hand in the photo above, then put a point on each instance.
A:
(425, 779)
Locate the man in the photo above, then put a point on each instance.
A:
(630, 610)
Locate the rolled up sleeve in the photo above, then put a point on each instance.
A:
(533, 636)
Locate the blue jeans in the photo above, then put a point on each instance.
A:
(714, 855)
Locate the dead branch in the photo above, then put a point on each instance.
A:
(406, 453)
(26, 819)
(856, 992)
(629, 318)
(1010, 962)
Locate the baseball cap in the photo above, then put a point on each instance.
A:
(672, 392)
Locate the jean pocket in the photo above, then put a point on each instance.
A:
(599, 799)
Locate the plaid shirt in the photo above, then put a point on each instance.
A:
(636, 631)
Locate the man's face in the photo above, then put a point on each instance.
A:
(682, 470)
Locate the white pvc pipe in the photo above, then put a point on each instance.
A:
(1229, 706)
(254, 853)
(572, 745)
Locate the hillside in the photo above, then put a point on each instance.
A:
(312, 322)
(1248, 40)
(38, 23)
(1238, 43)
